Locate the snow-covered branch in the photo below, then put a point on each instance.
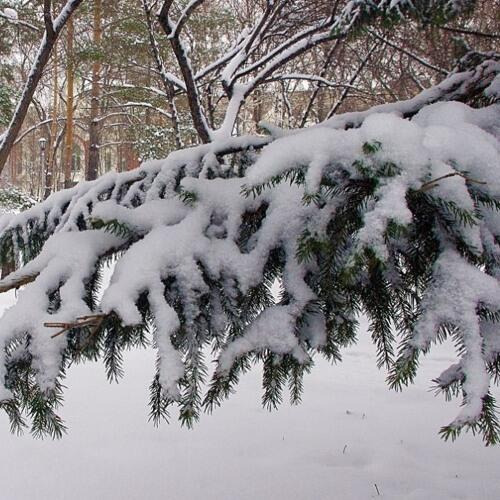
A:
(183, 18)
(11, 16)
(312, 78)
(393, 213)
(374, 219)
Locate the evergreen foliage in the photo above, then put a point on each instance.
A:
(369, 217)
(5, 105)
(13, 199)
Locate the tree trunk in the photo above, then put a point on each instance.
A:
(49, 165)
(70, 78)
(92, 170)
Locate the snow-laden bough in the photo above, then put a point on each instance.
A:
(396, 218)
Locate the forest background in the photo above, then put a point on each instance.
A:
(113, 94)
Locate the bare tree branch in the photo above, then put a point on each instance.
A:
(354, 77)
(464, 31)
(413, 56)
(180, 53)
(323, 71)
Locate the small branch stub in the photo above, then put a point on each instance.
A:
(94, 321)
(435, 182)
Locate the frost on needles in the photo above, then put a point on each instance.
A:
(392, 213)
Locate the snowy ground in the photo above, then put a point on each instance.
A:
(350, 437)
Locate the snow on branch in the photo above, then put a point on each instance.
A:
(183, 18)
(312, 78)
(397, 219)
(356, 13)
(11, 16)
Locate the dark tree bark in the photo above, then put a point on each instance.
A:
(92, 167)
(70, 74)
(194, 102)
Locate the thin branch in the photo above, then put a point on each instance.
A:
(145, 105)
(153, 90)
(110, 115)
(413, 56)
(94, 320)
(185, 16)
(115, 143)
(463, 31)
(9, 284)
(435, 182)
(354, 77)
(311, 78)
(34, 127)
(322, 73)
(20, 22)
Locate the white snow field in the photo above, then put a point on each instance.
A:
(350, 439)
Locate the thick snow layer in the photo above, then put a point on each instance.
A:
(349, 434)
(443, 150)
(453, 298)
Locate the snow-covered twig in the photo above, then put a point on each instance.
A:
(19, 22)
